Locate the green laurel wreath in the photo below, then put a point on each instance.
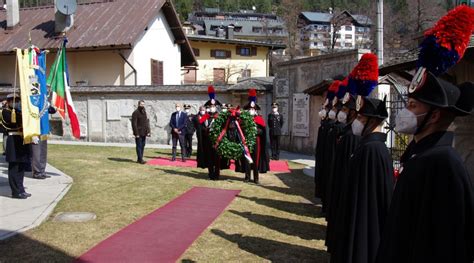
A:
(226, 148)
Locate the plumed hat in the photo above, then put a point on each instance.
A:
(364, 77)
(252, 100)
(212, 97)
(443, 47)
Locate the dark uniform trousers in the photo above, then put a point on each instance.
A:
(275, 145)
(178, 137)
(16, 174)
(39, 156)
(275, 123)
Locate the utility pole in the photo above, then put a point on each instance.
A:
(380, 31)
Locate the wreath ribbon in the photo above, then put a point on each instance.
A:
(243, 144)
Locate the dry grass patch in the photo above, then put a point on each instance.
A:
(272, 221)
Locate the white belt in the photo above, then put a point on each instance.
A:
(15, 133)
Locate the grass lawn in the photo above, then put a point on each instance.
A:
(269, 222)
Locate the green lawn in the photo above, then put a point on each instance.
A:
(268, 222)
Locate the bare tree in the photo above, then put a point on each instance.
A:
(290, 11)
(337, 21)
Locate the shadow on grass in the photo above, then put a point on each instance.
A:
(301, 209)
(274, 250)
(304, 230)
(198, 175)
(121, 160)
(297, 184)
(20, 248)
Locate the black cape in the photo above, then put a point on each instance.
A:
(319, 166)
(347, 142)
(260, 153)
(327, 159)
(330, 159)
(431, 217)
(202, 140)
(366, 199)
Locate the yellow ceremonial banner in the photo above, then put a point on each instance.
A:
(29, 90)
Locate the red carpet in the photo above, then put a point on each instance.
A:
(166, 233)
(275, 166)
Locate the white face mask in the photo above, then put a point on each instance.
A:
(187, 111)
(178, 108)
(224, 110)
(275, 110)
(322, 113)
(208, 110)
(342, 117)
(213, 109)
(407, 122)
(203, 112)
(252, 112)
(332, 115)
(357, 127)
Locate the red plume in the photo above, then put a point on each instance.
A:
(211, 92)
(252, 93)
(367, 69)
(454, 30)
(334, 86)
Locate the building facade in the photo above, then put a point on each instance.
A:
(225, 61)
(103, 47)
(322, 32)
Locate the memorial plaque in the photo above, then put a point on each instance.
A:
(282, 87)
(283, 108)
(300, 115)
(113, 110)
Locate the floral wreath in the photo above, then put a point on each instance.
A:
(247, 131)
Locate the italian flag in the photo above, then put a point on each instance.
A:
(58, 80)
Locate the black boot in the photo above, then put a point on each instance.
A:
(255, 177)
(247, 176)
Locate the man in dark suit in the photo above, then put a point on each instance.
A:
(275, 123)
(178, 131)
(141, 129)
(190, 129)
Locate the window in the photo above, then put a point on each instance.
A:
(348, 36)
(214, 28)
(219, 75)
(348, 28)
(256, 29)
(246, 73)
(278, 30)
(156, 72)
(320, 44)
(220, 54)
(338, 35)
(348, 44)
(246, 51)
(196, 52)
(238, 29)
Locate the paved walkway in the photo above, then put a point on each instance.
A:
(19, 215)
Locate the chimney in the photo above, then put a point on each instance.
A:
(220, 32)
(13, 13)
(230, 32)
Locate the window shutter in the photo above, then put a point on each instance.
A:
(196, 52)
(228, 53)
(237, 50)
(213, 53)
(254, 51)
(156, 72)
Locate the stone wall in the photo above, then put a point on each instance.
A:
(293, 77)
(105, 112)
